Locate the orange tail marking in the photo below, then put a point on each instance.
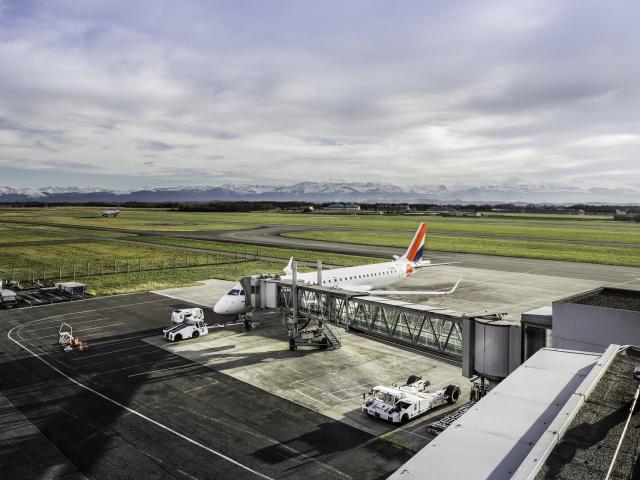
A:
(416, 245)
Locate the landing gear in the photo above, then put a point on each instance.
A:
(248, 323)
(478, 390)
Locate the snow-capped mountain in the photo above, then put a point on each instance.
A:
(370, 192)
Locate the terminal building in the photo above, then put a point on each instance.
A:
(590, 321)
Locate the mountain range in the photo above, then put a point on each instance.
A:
(319, 192)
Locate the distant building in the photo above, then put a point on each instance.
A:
(443, 211)
(342, 207)
(395, 208)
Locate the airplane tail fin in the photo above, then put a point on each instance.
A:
(416, 247)
(288, 270)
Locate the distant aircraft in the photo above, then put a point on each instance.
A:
(111, 213)
(363, 278)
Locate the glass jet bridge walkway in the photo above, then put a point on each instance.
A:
(421, 326)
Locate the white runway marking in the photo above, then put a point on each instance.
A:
(54, 333)
(187, 475)
(57, 325)
(98, 328)
(157, 350)
(112, 351)
(156, 362)
(124, 407)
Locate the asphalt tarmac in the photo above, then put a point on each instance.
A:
(128, 409)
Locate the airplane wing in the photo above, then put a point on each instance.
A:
(424, 293)
(429, 264)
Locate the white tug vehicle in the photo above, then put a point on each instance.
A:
(401, 404)
(186, 323)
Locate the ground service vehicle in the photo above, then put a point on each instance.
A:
(187, 315)
(8, 298)
(184, 330)
(401, 404)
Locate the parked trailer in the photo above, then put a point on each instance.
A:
(401, 404)
(8, 298)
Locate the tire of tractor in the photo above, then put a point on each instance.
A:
(196, 334)
(177, 338)
(404, 419)
(452, 393)
(412, 379)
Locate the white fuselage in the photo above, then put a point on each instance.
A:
(361, 278)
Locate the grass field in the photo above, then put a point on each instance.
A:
(283, 253)
(78, 235)
(108, 265)
(161, 220)
(573, 252)
(156, 280)
(97, 257)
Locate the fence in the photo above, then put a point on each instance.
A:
(120, 266)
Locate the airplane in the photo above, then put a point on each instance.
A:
(111, 213)
(363, 278)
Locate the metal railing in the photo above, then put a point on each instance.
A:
(112, 267)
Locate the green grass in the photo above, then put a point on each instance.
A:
(161, 220)
(500, 227)
(160, 279)
(47, 261)
(543, 232)
(15, 234)
(130, 219)
(577, 218)
(611, 255)
(273, 252)
(593, 239)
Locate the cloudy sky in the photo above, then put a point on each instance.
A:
(154, 93)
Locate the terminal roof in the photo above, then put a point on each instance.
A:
(586, 449)
(618, 298)
(496, 435)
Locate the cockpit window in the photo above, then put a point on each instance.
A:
(235, 292)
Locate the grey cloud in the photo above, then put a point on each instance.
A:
(449, 91)
(156, 146)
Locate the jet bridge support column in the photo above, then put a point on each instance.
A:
(294, 292)
(307, 335)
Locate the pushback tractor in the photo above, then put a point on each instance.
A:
(401, 404)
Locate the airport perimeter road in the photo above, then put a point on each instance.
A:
(128, 409)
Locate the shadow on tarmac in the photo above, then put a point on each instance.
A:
(262, 430)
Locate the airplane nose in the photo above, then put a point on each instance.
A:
(221, 308)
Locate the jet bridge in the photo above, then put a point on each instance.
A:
(408, 323)
(420, 326)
